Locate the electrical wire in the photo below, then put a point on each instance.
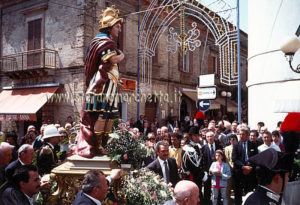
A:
(270, 38)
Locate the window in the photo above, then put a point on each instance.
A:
(185, 61)
(212, 65)
(34, 34)
(34, 42)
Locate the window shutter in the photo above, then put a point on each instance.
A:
(30, 35)
(37, 33)
(34, 34)
(34, 42)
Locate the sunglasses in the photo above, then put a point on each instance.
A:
(151, 138)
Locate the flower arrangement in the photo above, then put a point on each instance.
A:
(146, 187)
(125, 147)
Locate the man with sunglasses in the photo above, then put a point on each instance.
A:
(151, 144)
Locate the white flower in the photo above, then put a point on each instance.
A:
(163, 193)
(155, 180)
(114, 136)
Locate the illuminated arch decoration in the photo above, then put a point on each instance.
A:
(161, 13)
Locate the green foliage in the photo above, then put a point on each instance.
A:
(34, 160)
(126, 148)
(295, 173)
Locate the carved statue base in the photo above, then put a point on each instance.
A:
(70, 174)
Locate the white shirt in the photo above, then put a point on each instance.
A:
(51, 145)
(93, 199)
(263, 147)
(29, 199)
(21, 162)
(162, 165)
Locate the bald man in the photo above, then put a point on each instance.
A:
(5, 157)
(185, 193)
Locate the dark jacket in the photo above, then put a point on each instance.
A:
(174, 176)
(238, 156)
(261, 197)
(13, 196)
(140, 125)
(9, 170)
(82, 199)
(207, 158)
(150, 159)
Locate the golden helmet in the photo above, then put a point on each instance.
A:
(109, 17)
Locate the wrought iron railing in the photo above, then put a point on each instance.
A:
(29, 60)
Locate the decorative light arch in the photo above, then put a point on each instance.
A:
(159, 16)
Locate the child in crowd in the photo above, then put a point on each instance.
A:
(220, 171)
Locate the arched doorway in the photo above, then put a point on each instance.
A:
(151, 108)
(183, 110)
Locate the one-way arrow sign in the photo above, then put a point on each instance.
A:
(203, 105)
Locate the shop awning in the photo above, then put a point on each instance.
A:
(22, 104)
(215, 104)
(231, 105)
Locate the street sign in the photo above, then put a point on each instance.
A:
(129, 84)
(207, 80)
(207, 93)
(203, 105)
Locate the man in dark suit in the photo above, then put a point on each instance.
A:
(164, 166)
(208, 151)
(95, 187)
(253, 138)
(5, 156)
(140, 123)
(243, 171)
(176, 122)
(26, 183)
(25, 156)
(146, 129)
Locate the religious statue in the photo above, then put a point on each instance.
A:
(102, 82)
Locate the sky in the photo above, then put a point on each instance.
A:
(227, 9)
(244, 15)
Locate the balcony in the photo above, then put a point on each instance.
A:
(30, 64)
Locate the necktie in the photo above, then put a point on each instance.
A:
(212, 150)
(167, 172)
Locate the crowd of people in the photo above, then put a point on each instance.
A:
(211, 156)
(214, 155)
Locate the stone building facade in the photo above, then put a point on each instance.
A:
(43, 43)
